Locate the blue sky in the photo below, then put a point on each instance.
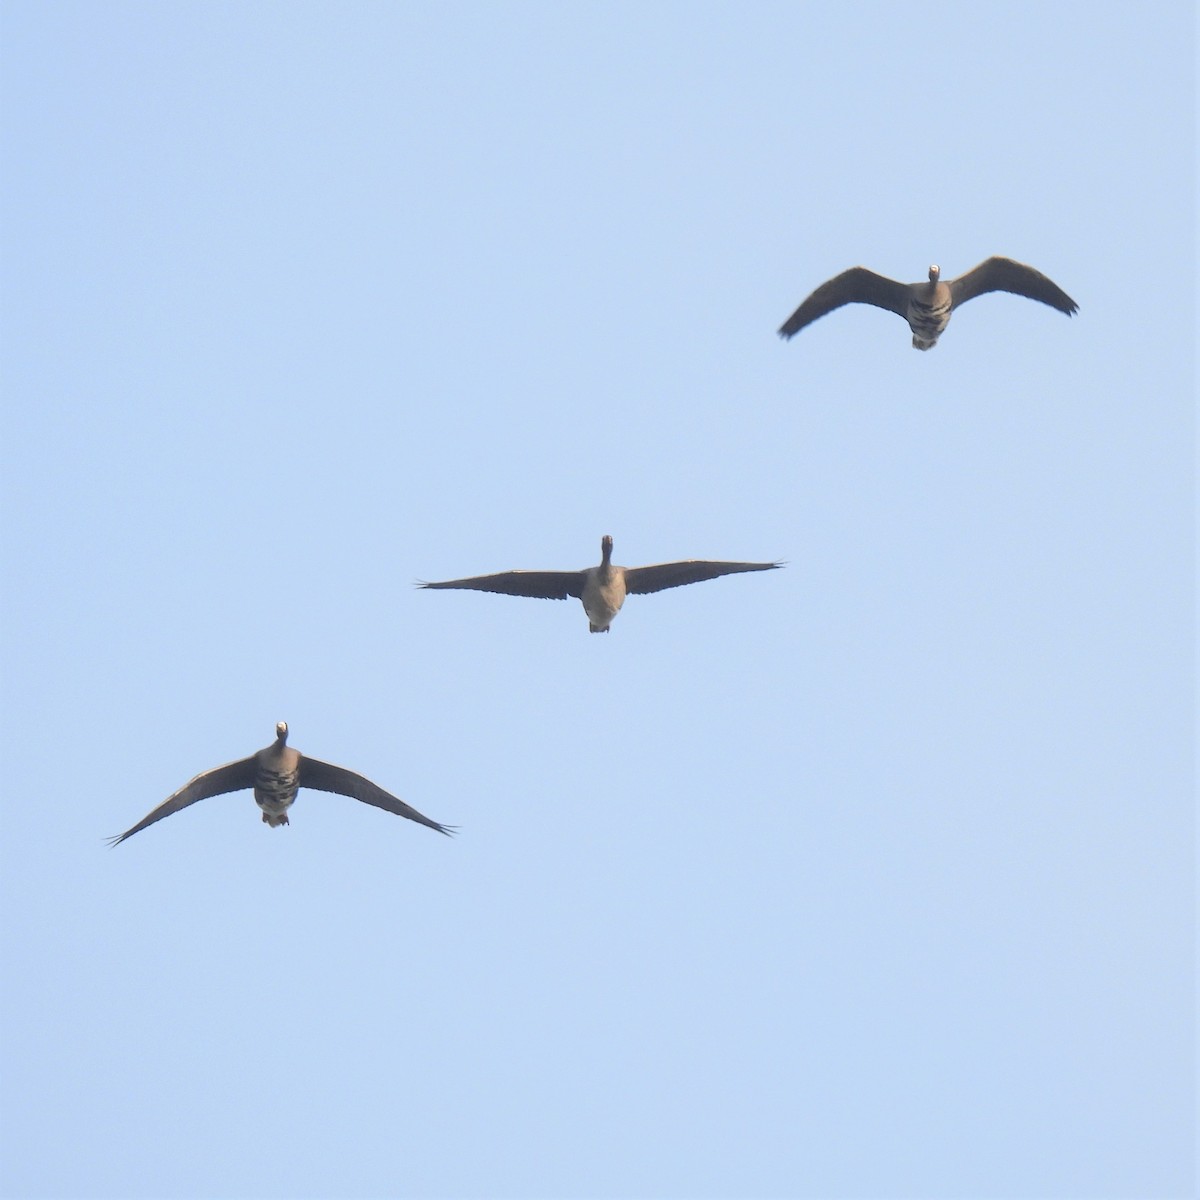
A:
(870, 877)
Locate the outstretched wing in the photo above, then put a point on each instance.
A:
(543, 585)
(675, 574)
(325, 777)
(855, 286)
(1004, 275)
(232, 777)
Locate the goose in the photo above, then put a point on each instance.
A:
(276, 774)
(602, 588)
(927, 306)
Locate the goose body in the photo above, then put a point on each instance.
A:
(276, 774)
(601, 589)
(927, 306)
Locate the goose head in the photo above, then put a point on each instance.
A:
(606, 549)
(280, 735)
(934, 273)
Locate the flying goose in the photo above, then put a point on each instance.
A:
(927, 306)
(276, 774)
(603, 588)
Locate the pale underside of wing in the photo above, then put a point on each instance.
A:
(640, 580)
(541, 585)
(232, 777)
(1005, 275)
(855, 286)
(325, 777)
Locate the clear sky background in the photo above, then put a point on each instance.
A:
(873, 876)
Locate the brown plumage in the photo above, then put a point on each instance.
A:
(276, 774)
(602, 588)
(927, 306)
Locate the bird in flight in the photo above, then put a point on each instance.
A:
(602, 588)
(927, 306)
(276, 774)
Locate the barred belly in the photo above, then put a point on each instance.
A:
(927, 321)
(275, 792)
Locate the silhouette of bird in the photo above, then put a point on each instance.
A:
(602, 588)
(927, 306)
(276, 774)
